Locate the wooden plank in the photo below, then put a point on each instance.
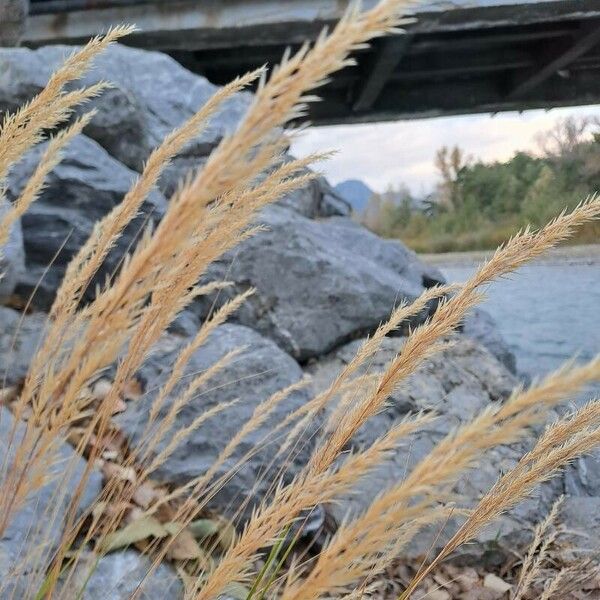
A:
(588, 38)
(390, 54)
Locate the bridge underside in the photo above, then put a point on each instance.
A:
(487, 57)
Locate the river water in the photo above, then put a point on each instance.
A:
(548, 311)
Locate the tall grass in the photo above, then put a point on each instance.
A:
(212, 211)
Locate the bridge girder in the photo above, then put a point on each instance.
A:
(484, 56)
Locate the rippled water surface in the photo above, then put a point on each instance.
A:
(546, 312)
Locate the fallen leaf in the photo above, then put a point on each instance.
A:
(184, 546)
(480, 593)
(203, 529)
(7, 395)
(133, 390)
(136, 531)
(493, 582)
(101, 388)
(145, 494)
(438, 595)
(118, 407)
(467, 580)
(442, 580)
(112, 470)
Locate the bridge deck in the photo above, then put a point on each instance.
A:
(480, 56)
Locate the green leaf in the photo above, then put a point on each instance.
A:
(134, 532)
(203, 529)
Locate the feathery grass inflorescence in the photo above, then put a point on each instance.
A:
(453, 454)
(544, 536)
(568, 438)
(51, 107)
(20, 132)
(213, 210)
(392, 519)
(208, 215)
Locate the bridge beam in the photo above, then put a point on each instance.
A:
(386, 60)
(188, 24)
(559, 59)
(481, 56)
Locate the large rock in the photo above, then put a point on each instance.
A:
(259, 371)
(13, 14)
(85, 186)
(19, 338)
(117, 576)
(152, 95)
(12, 256)
(582, 476)
(318, 284)
(580, 518)
(481, 326)
(316, 199)
(457, 384)
(35, 529)
(333, 204)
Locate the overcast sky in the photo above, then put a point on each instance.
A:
(383, 154)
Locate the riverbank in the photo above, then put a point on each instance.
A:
(585, 254)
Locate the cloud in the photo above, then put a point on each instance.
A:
(384, 154)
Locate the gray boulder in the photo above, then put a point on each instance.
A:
(12, 256)
(305, 201)
(580, 518)
(117, 576)
(19, 337)
(260, 370)
(315, 200)
(152, 95)
(13, 14)
(318, 284)
(35, 530)
(333, 204)
(481, 326)
(582, 476)
(85, 186)
(456, 384)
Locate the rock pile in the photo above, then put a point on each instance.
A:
(322, 284)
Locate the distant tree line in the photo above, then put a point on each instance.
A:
(478, 205)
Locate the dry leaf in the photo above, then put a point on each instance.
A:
(481, 593)
(467, 579)
(119, 407)
(184, 546)
(112, 470)
(204, 529)
(135, 531)
(132, 390)
(442, 580)
(7, 395)
(438, 594)
(493, 582)
(101, 388)
(145, 494)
